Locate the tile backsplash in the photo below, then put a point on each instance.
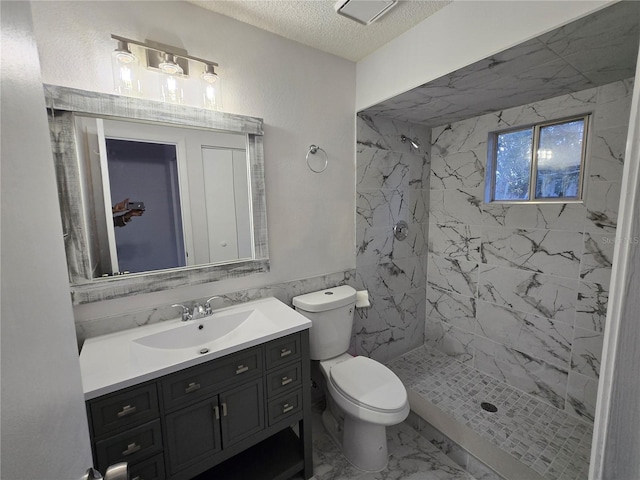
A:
(284, 292)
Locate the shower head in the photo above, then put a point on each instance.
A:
(414, 143)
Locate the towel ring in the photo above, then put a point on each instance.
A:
(313, 149)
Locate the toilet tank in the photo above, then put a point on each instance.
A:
(331, 315)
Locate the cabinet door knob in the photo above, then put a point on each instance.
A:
(286, 381)
(126, 410)
(216, 412)
(192, 387)
(285, 352)
(224, 409)
(131, 448)
(241, 369)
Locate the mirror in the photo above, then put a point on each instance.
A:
(153, 195)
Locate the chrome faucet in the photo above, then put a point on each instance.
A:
(207, 306)
(186, 314)
(198, 311)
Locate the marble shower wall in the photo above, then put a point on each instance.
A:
(392, 184)
(520, 291)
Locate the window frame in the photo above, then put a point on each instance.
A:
(490, 177)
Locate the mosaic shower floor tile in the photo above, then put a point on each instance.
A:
(542, 437)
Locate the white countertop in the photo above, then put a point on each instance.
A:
(111, 362)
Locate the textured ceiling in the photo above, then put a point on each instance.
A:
(315, 22)
(595, 50)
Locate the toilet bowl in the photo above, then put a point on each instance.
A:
(370, 397)
(363, 396)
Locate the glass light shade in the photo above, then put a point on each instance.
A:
(211, 89)
(171, 88)
(126, 71)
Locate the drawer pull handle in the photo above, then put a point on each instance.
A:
(241, 369)
(286, 381)
(131, 448)
(137, 478)
(287, 408)
(285, 352)
(126, 410)
(224, 409)
(216, 411)
(192, 387)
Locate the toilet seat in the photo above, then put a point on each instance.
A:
(369, 384)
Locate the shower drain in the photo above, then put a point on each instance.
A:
(489, 407)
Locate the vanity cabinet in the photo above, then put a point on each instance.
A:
(242, 416)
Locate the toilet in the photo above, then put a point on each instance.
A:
(363, 396)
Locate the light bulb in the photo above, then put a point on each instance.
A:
(210, 88)
(171, 80)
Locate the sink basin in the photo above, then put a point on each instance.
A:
(199, 332)
(126, 358)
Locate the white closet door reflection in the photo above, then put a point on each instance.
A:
(228, 228)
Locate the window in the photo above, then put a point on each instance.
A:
(543, 162)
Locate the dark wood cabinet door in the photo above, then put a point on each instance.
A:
(242, 412)
(193, 435)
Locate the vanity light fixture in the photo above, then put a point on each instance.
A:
(173, 65)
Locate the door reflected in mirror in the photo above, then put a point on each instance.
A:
(155, 196)
(194, 186)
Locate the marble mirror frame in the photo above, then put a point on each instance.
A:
(76, 227)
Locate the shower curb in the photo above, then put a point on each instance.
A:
(495, 458)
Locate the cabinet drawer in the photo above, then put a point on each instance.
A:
(284, 379)
(130, 446)
(282, 351)
(202, 381)
(285, 406)
(151, 469)
(123, 410)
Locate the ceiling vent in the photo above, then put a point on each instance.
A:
(364, 11)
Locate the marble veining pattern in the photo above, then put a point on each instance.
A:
(540, 337)
(457, 241)
(392, 185)
(541, 436)
(411, 457)
(598, 49)
(450, 307)
(545, 251)
(534, 278)
(284, 292)
(545, 295)
(591, 308)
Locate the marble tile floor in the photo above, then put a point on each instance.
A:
(411, 457)
(546, 439)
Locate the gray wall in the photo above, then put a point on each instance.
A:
(44, 424)
(520, 291)
(392, 184)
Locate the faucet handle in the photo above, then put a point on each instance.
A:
(186, 314)
(207, 304)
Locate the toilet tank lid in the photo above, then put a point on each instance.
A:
(325, 299)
